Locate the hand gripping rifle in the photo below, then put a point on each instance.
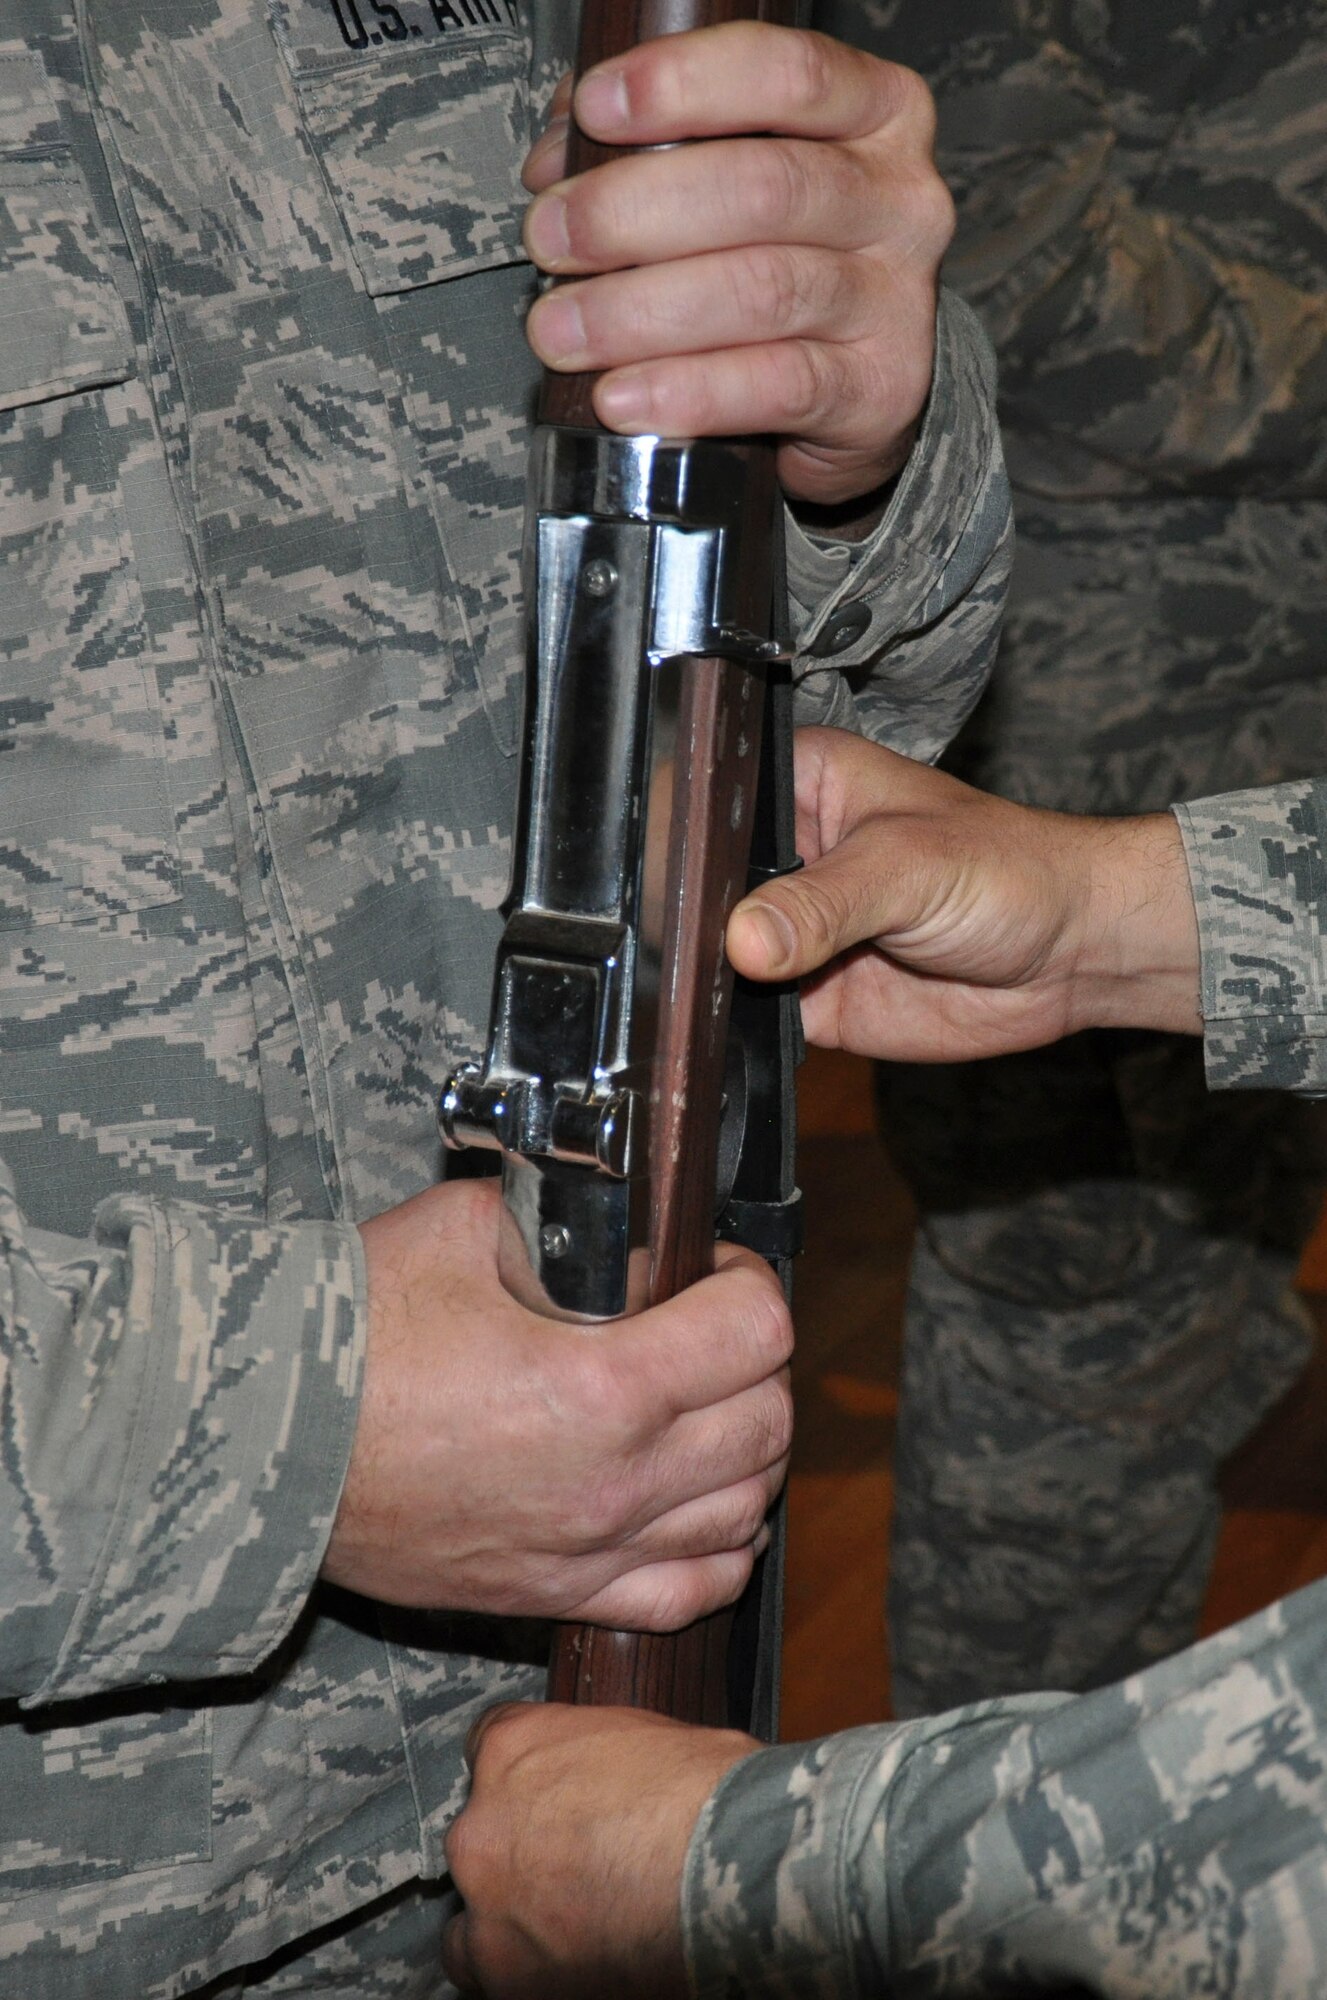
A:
(639, 1108)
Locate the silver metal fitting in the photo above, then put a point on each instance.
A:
(642, 552)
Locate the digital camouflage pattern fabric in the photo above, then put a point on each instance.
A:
(1259, 873)
(1164, 1836)
(263, 427)
(1100, 1307)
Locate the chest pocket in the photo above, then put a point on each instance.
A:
(420, 121)
(418, 113)
(85, 825)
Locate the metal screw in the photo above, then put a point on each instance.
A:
(554, 1240)
(599, 577)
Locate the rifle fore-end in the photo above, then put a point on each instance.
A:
(649, 584)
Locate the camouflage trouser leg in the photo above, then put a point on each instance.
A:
(1100, 1311)
(387, 1951)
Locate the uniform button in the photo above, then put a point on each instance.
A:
(843, 627)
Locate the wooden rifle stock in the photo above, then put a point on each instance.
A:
(684, 1674)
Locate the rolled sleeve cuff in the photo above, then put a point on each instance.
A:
(254, 1337)
(941, 547)
(771, 1894)
(1256, 867)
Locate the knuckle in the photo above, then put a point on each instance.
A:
(633, 319)
(769, 287)
(780, 1420)
(821, 915)
(614, 1513)
(658, 81)
(584, 210)
(860, 302)
(941, 216)
(606, 1511)
(720, 1583)
(593, 1378)
(766, 1317)
(685, 1595)
(666, 1606)
(911, 104)
(925, 209)
(800, 384)
(461, 1847)
(809, 65)
(736, 1454)
(812, 382)
(504, 1731)
(776, 190)
(599, 216)
(761, 1440)
(492, 1956)
(609, 1400)
(748, 1514)
(814, 175)
(672, 401)
(467, 1208)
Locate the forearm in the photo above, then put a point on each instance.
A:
(1137, 945)
(935, 923)
(1259, 877)
(1211, 919)
(1104, 1840)
(1206, 920)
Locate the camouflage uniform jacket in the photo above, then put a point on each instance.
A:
(1166, 1835)
(1142, 227)
(263, 388)
(1258, 866)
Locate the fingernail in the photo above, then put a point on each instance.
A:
(775, 934)
(546, 231)
(622, 399)
(550, 140)
(602, 106)
(557, 331)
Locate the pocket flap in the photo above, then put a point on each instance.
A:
(419, 113)
(126, 1785)
(62, 325)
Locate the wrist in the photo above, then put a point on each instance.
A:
(856, 518)
(1136, 958)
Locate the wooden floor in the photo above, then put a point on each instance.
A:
(850, 1288)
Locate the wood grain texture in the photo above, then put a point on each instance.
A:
(682, 1674)
(610, 28)
(718, 758)
(685, 1674)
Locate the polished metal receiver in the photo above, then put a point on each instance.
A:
(642, 552)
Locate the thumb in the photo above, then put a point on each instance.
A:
(790, 927)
